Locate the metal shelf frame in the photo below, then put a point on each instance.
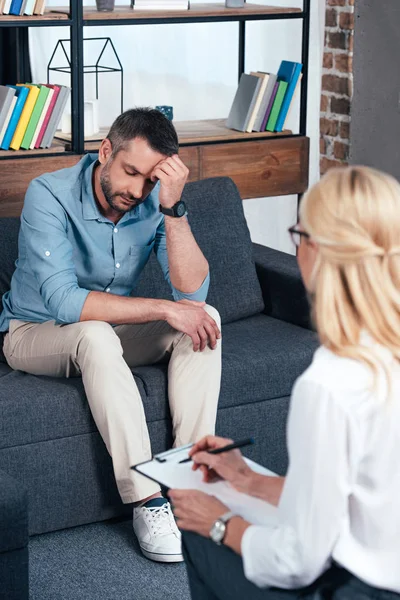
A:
(77, 22)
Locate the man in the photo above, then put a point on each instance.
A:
(86, 234)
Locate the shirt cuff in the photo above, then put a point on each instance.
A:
(71, 309)
(199, 295)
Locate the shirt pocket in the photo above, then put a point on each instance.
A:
(139, 255)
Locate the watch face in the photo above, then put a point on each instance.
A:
(217, 532)
(181, 209)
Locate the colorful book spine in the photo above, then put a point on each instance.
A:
(280, 95)
(56, 89)
(269, 107)
(292, 84)
(15, 8)
(35, 116)
(7, 120)
(42, 117)
(25, 116)
(22, 95)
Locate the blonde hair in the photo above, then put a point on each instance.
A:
(353, 215)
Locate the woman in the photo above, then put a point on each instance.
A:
(338, 530)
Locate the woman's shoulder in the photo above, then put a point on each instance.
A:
(338, 376)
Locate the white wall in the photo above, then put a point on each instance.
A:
(193, 67)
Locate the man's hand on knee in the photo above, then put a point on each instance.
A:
(191, 318)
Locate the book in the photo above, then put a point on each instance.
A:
(166, 469)
(289, 72)
(280, 95)
(294, 96)
(6, 7)
(2, 3)
(265, 102)
(264, 81)
(269, 107)
(25, 116)
(55, 117)
(56, 90)
(15, 7)
(35, 116)
(39, 7)
(29, 7)
(21, 94)
(243, 102)
(6, 96)
(42, 117)
(22, 9)
(7, 120)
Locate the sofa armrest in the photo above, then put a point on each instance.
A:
(14, 570)
(284, 295)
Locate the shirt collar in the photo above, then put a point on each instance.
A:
(90, 210)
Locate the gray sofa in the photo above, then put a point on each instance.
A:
(53, 462)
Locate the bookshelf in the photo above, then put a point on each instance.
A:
(278, 163)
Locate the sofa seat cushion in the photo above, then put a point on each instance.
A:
(261, 359)
(35, 409)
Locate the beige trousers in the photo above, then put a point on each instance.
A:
(102, 354)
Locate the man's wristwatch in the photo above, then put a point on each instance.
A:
(218, 529)
(177, 210)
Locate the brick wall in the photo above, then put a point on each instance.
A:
(337, 83)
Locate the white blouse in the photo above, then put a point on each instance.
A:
(341, 498)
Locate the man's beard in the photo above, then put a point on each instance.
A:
(111, 198)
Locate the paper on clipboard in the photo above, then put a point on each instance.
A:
(166, 470)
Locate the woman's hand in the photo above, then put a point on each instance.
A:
(229, 465)
(196, 511)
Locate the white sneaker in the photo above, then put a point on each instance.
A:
(157, 532)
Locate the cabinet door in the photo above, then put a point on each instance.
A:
(259, 168)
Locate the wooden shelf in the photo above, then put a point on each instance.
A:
(215, 11)
(190, 133)
(49, 15)
(196, 10)
(57, 147)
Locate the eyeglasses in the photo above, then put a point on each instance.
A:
(296, 234)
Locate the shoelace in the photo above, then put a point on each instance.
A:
(160, 519)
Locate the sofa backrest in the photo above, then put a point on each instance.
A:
(218, 223)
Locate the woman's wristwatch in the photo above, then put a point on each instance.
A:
(218, 529)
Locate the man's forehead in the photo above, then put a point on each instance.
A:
(139, 156)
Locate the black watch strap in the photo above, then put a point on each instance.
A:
(167, 211)
(178, 210)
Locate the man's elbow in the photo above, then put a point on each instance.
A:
(65, 306)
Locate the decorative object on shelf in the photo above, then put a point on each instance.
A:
(105, 5)
(168, 111)
(96, 68)
(91, 121)
(234, 3)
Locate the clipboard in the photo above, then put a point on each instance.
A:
(164, 468)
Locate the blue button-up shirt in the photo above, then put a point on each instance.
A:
(68, 248)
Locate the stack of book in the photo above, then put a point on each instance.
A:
(30, 114)
(22, 7)
(161, 4)
(262, 100)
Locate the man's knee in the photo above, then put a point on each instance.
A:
(97, 335)
(213, 313)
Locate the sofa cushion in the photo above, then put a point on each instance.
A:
(218, 223)
(262, 357)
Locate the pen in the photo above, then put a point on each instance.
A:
(241, 444)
